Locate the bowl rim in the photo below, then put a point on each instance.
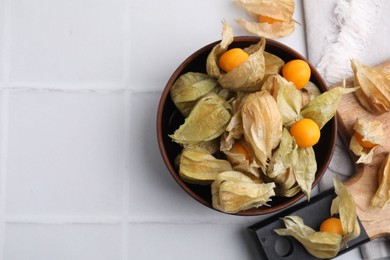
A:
(166, 91)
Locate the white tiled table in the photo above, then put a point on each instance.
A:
(81, 176)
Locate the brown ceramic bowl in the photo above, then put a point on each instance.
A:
(169, 119)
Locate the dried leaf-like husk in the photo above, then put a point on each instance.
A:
(319, 244)
(233, 191)
(211, 146)
(374, 88)
(345, 206)
(287, 192)
(207, 121)
(288, 97)
(309, 92)
(189, 88)
(240, 162)
(212, 66)
(273, 64)
(326, 244)
(323, 107)
(281, 10)
(382, 195)
(269, 30)
(248, 75)
(277, 9)
(234, 129)
(371, 131)
(365, 155)
(305, 169)
(262, 125)
(284, 158)
(289, 101)
(198, 166)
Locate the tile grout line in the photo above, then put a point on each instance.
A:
(3, 167)
(126, 178)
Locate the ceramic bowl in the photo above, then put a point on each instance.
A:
(169, 119)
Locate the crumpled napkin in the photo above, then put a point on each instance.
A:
(336, 32)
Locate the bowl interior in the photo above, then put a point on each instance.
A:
(169, 119)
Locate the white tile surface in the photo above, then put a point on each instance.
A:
(62, 242)
(66, 42)
(2, 45)
(65, 153)
(208, 241)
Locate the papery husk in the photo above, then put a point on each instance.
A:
(277, 9)
(365, 155)
(189, 88)
(322, 108)
(268, 30)
(382, 195)
(207, 121)
(211, 146)
(212, 61)
(287, 192)
(234, 130)
(305, 169)
(248, 75)
(281, 10)
(309, 92)
(262, 125)
(233, 191)
(273, 64)
(345, 206)
(198, 166)
(289, 101)
(284, 158)
(240, 162)
(374, 88)
(370, 130)
(288, 97)
(319, 244)
(326, 244)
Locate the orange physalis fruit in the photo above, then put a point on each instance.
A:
(232, 58)
(241, 150)
(267, 19)
(332, 225)
(364, 143)
(306, 132)
(298, 72)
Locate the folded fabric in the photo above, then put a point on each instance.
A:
(336, 32)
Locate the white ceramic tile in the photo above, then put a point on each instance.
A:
(160, 44)
(2, 39)
(62, 242)
(66, 42)
(65, 153)
(207, 241)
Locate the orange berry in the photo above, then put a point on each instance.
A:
(240, 149)
(298, 72)
(267, 19)
(306, 132)
(332, 225)
(364, 143)
(232, 58)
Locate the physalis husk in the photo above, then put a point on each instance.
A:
(279, 22)
(369, 135)
(326, 244)
(374, 88)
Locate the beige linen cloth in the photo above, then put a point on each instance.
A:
(336, 32)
